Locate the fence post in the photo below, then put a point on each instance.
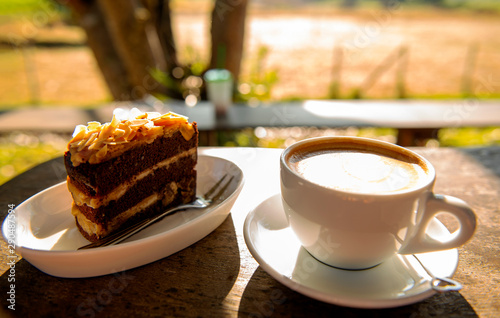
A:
(31, 72)
(401, 71)
(334, 90)
(469, 66)
(379, 70)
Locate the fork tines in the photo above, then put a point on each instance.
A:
(212, 197)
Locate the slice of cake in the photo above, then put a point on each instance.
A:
(126, 170)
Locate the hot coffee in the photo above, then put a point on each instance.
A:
(354, 202)
(358, 168)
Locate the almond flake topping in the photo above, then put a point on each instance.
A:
(94, 142)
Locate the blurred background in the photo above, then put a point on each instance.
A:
(280, 50)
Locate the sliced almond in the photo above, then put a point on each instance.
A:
(114, 122)
(89, 141)
(93, 125)
(152, 115)
(138, 122)
(79, 131)
(187, 131)
(119, 133)
(102, 152)
(132, 134)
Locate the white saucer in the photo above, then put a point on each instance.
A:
(47, 237)
(399, 281)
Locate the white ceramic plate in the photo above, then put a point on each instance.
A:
(47, 236)
(399, 281)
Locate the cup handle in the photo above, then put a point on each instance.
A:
(420, 242)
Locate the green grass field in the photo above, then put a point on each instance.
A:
(20, 152)
(27, 7)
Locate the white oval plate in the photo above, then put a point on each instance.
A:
(48, 238)
(398, 281)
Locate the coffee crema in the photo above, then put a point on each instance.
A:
(358, 170)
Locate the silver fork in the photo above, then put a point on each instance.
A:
(204, 201)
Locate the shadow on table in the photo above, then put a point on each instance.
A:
(191, 282)
(488, 157)
(266, 297)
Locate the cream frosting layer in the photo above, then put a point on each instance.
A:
(94, 202)
(92, 228)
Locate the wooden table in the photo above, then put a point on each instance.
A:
(218, 277)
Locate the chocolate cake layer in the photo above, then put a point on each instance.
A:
(154, 209)
(100, 179)
(155, 182)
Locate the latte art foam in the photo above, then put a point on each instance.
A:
(357, 171)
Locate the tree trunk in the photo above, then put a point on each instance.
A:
(227, 33)
(162, 24)
(160, 16)
(136, 42)
(131, 38)
(90, 18)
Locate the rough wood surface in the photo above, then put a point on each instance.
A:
(217, 276)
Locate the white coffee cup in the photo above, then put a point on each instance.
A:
(355, 202)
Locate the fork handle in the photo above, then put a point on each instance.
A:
(128, 232)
